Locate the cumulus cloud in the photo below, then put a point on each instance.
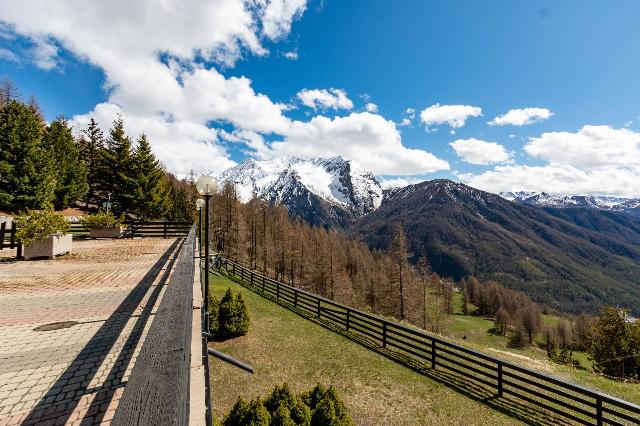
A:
(325, 99)
(278, 15)
(454, 115)
(368, 138)
(400, 182)
(521, 117)
(594, 160)
(371, 107)
(153, 55)
(476, 151)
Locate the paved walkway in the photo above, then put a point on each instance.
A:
(71, 328)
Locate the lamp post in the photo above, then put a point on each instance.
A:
(207, 186)
(199, 206)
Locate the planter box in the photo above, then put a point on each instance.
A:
(51, 247)
(105, 232)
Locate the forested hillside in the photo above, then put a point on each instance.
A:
(571, 260)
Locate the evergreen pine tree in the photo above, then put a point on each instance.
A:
(116, 169)
(71, 173)
(151, 189)
(91, 146)
(26, 175)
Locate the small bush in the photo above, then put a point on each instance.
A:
(233, 316)
(320, 406)
(35, 226)
(100, 220)
(214, 311)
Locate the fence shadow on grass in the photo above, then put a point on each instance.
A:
(513, 408)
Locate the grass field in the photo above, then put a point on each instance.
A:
(284, 347)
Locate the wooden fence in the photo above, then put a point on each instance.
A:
(142, 229)
(574, 402)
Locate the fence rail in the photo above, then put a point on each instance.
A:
(572, 401)
(142, 229)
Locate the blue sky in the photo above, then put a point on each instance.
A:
(575, 62)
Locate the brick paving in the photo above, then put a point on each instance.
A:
(103, 297)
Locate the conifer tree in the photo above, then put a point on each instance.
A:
(91, 146)
(117, 169)
(150, 194)
(25, 165)
(70, 172)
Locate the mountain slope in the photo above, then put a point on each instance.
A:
(572, 261)
(325, 192)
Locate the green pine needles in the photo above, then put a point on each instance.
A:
(318, 407)
(230, 317)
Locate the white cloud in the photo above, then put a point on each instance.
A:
(181, 146)
(291, 55)
(367, 138)
(325, 98)
(8, 55)
(371, 107)
(408, 116)
(278, 16)
(594, 160)
(591, 147)
(454, 115)
(399, 182)
(475, 151)
(521, 117)
(178, 95)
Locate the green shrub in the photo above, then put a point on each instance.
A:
(320, 406)
(35, 226)
(100, 220)
(214, 311)
(251, 414)
(233, 316)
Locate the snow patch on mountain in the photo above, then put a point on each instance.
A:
(544, 199)
(338, 181)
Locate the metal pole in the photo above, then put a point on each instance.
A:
(206, 258)
(200, 231)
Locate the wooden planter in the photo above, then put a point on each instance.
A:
(105, 232)
(53, 246)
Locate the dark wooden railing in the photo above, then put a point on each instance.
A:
(142, 229)
(157, 393)
(569, 400)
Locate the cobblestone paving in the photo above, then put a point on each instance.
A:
(71, 328)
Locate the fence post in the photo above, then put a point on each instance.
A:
(14, 228)
(348, 315)
(19, 253)
(234, 270)
(433, 353)
(3, 225)
(384, 334)
(499, 379)
(295, 298)
(164, 229)
(599, 419)
(318, 307)
(251, 278)
(278, 290)
(263, 283)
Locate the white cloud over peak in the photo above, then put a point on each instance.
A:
(594, 160)
(368, 138)
(454, 115)
(476, 151)
(521, 117)
(371, 107)
(400, 182)
(325, 99)
(152, 57)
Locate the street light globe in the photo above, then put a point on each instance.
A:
(199, 203)
(207, 185)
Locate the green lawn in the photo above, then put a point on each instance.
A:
(284, 347)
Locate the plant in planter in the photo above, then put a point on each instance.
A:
(102, 225)
(43, 233)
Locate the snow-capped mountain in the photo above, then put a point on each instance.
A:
(340, 188)
(543, 199)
